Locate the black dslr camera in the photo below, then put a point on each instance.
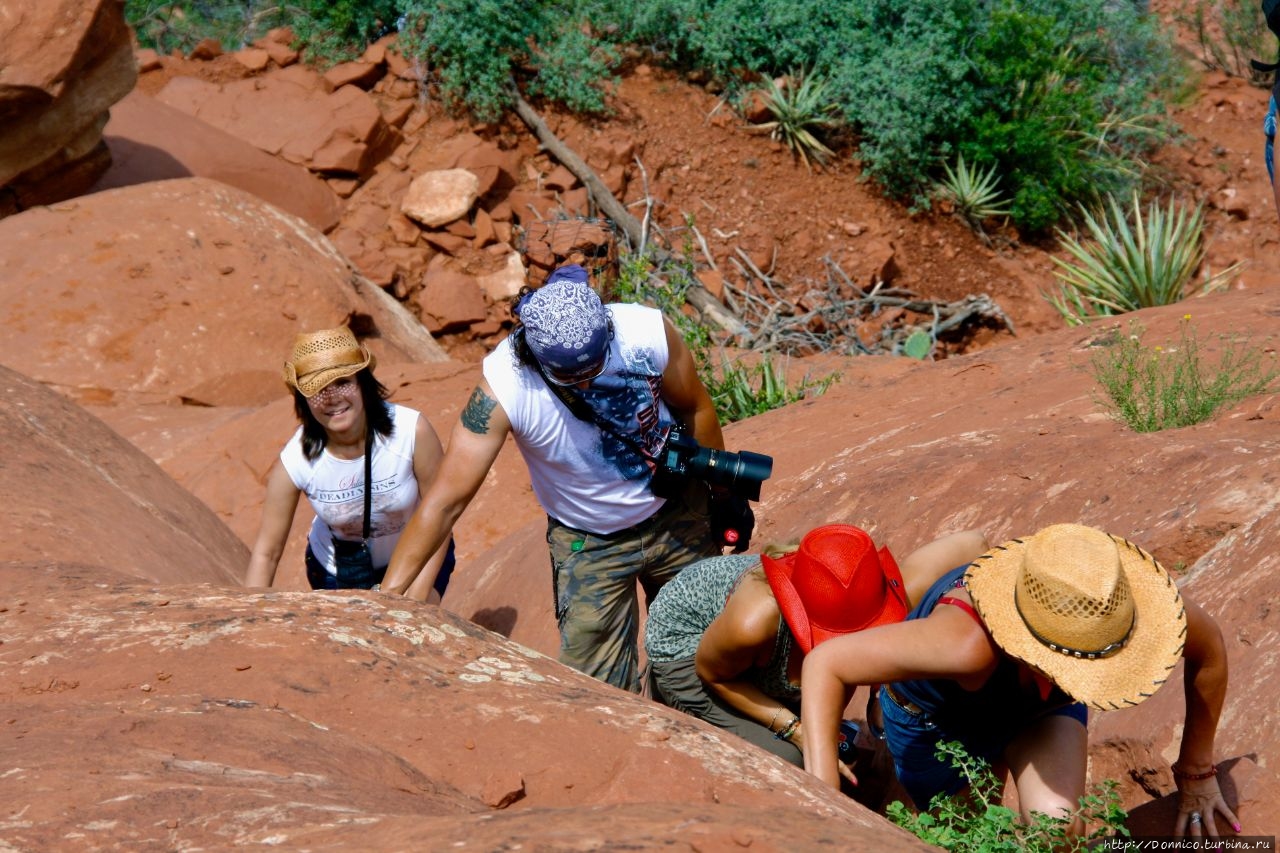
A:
(682, 459)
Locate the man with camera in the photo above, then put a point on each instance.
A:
(591, 394)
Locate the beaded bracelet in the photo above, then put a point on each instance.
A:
(788, 730)
(1194, 777)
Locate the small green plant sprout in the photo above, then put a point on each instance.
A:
(1165, 387)
(977, 822)
(740, 391)
(801, 108)
(1133, 261)
(974, 192)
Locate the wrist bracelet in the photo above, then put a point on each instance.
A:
(775, 719)
(788, 730)
(1194, 777)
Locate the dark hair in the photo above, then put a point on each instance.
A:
(519, 346)
(377, 414)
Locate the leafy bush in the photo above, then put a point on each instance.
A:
(1056, 94)
(475, 49)
(329, 30)
(169, 26)
(979, 823)
(1130, 266)
(1168, 387)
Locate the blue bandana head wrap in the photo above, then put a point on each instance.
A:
(565, 324)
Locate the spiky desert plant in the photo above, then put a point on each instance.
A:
(1133, 260)
(801, 107)
(974, 192)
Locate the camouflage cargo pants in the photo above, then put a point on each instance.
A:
(594, 579)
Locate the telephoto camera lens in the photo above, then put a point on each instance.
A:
(741, 472)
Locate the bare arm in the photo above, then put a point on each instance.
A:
(741, 637)
(427, 456)
(946, 644)
(684, 392)
(473, 446)
(278, 507)
(1205, 690)
(923, 566)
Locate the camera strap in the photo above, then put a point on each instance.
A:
(583, 412)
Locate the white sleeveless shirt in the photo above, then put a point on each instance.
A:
(583, 476)
(335, 490)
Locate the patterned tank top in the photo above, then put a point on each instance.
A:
(682, 611)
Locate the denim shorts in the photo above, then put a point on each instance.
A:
(319, 577)
(913, 741)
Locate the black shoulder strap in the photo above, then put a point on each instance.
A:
(368, 473)
(583, 412)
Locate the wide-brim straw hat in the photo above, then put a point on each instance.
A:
(1094, 612)
(835, 583)
(324, 356)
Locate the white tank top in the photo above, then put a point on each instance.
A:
(335, 489)
(583, 476)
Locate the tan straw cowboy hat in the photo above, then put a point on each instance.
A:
(1092, 611)
(835, 583)
(321, 357)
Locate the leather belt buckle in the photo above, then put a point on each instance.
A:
(910, 707)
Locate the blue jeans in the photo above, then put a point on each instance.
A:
(321, 579)
(913, 741)
(1269, 130)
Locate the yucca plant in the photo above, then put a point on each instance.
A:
(741, 391)
(1133, 261)
(801, 107)
(974, 192)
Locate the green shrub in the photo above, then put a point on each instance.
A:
(1165, 387)
(1134, 261)
(979, 823)
(182, 25)
(474, 50)
(332, 31)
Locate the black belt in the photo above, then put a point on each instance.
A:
(910, 707)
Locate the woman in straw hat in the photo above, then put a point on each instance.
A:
(362, 463)
(1003, 655)
(726, 637)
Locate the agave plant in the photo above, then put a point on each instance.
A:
(974, 192)
(800, 107)
(1133, 261)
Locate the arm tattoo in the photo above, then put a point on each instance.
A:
(475, 417)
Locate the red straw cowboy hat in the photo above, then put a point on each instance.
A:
(322, 357)
(836, 583)
(1092, 611)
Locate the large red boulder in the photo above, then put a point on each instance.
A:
(151, 141)
(63, 63)
(77, 493)
(181, 717)
(185, 290)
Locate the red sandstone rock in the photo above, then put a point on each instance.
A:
(78, 493)
(133, 277)
(203, 717)
(150, 141)
(63, 63)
